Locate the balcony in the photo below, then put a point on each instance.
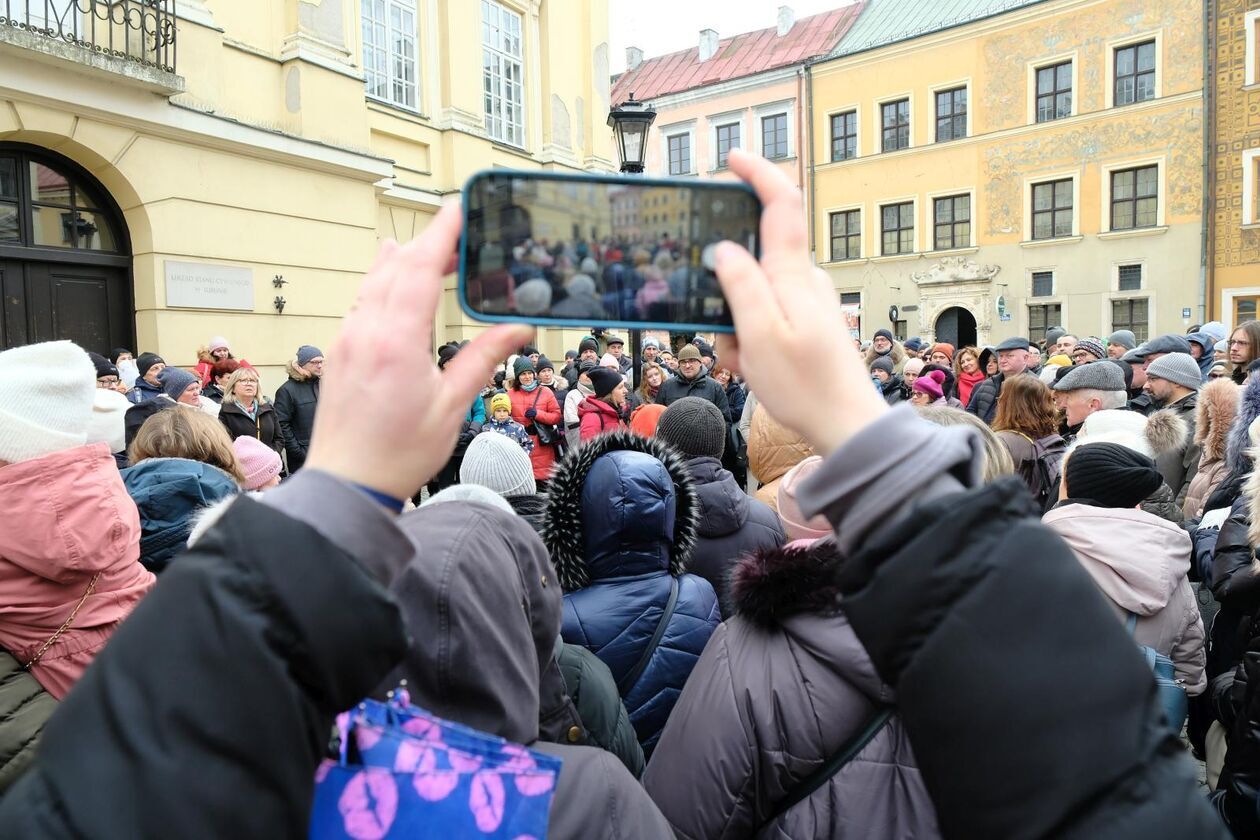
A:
(134, 39)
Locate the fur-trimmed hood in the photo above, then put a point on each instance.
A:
(768, 586)
(1238, 450)
(896, 355)
(1166, 431)
(295, 372)
(623, 515)
(1218, 405)
(1163, 432)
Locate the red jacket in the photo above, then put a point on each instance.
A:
(543, 457)
(598, 417)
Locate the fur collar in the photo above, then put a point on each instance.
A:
(897, 354)
(562, 528)
(1238, 453)
(768, 586)
(295, 372)
(1166, 431)
(1218, 404)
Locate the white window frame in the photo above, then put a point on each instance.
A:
(879, 120)
(1249, 27)
(863, 250)
(878, 227)
(1055, 299)
(933, 91)
(1115, 277)
(677, 130)
(495, 50)
(1109, 92)
(784, 108)
(409, 35)
(721, 121)
(1147, 291)
(1249, 157)
(1041, 64)
(856, 108)
(929, 214)
(1228, 296)
(1041, 178)
(1104, 220)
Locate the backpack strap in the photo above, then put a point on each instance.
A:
(849, 750)
(628, 681)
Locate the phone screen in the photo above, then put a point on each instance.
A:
(613, 251)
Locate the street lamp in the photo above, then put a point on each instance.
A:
(630, 123)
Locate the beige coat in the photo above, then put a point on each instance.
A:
(773, 449)
(1218, 406)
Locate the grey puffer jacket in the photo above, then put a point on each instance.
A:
(780, 688)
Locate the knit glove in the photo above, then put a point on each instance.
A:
(531, 413)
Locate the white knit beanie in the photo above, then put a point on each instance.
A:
(1126, 428)
(499, 463)
(108, 415)
(46, 396)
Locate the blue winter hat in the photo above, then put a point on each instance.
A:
(174, 380)
(307, 352)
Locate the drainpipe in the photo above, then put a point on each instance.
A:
(809, 201)
(1207, 277)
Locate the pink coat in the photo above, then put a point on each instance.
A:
(64, 518)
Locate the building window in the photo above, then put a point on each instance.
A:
(1245, 309)
(727, 139)
(774, 136)
(897, 227)
(953, 222)
(1135, 73)
(503, 73)
(844, 136)
(1041, 318)
(389, 50)
(1052, 209)
(1054, 92)
(951, 114)
(1135, 198)
(1043, 284)
(1131, 314)
(896, 125)
(846, 235)
(1129, 278)
(679, 154)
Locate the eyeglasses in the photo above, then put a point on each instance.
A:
(107, 382)
(1239, 342)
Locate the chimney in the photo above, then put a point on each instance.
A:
(634, 57)
(787, 19)
(708, 43)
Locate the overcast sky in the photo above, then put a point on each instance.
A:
(664, 26)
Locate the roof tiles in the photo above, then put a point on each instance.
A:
(888, 21)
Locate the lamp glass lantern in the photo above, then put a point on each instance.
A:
(630, 122)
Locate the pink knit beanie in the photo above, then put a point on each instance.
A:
(794, 522)
(931, 384)
(259, 462)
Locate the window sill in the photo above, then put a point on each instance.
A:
(1135, 232)
(897, 257)
(955, 252)
(849, 261)
(1251, 226)
(784, 159)
(1043, 243)
(508, 147)
(394, 109)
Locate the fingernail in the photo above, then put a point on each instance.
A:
(723, 252)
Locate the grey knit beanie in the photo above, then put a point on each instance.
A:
(500, 464)
(1124, 338)
(1180, 368)
(694, 427)
(174, 381)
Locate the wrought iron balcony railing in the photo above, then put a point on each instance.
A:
(133, 30)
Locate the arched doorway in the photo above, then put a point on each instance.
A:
(956, 326)
(65, 258)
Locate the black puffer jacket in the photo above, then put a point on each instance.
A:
(594, 692)
(1237, 797)
(209, 710)
(731, 524)
(295, 404)
(894, 390)
(703, 386)
(265, 427)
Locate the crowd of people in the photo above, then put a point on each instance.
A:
(734, 594)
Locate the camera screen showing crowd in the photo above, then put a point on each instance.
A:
(590, 251)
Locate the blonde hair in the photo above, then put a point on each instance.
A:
(189, 433)
(997, 460)
(236, 376)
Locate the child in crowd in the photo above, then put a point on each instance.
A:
(501, 422)
(260, 464)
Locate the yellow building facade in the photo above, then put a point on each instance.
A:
(1234, 165)
(1031, 168)
(226, 154)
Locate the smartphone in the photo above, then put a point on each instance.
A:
(600, 250)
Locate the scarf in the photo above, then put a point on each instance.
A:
(586, 390)
(530, 388)
(252, 415)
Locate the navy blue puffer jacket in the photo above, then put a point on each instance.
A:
(621, 522)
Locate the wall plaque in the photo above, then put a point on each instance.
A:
(206, 286)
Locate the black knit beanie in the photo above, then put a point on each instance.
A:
(1110, 475)
(695, 427)
(604, 381)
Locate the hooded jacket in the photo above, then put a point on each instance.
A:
(143, 391)
(730, 525)
(773, 449)
(66, 525)
(483, 607)
(1218, 405)
(621, 525)
(1179, 464)
(1234, 581)
(782, 686)
(597, 417)
(1140, 563)
(295, 405)
(169, 492)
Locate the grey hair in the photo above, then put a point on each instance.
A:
(1107, 400)
(997, 459)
